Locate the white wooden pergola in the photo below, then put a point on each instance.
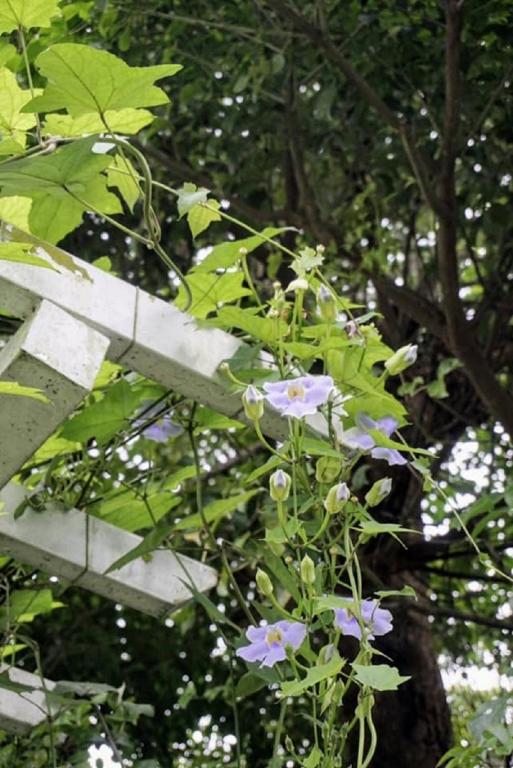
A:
(73, 321)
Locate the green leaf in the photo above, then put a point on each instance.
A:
(62, 186)
(27, 14)
(202, 215)
(209, 291)
(13, 124)
(15, 210)
(314, 758)
(132, 513)
(83, 79)
(121, 174)
(227, 254)
(373, 528)
(105, 418)
(55, 446)
(381, 677)
(313, 676)
(128, 121)
(331, 603)
(150, 542)
(269, 465)
(12, 388)
(249, 684)
(23, 253)
(319, 448)
(307, 260)
(214, 511)
(264, 328)
(25, 604)
(406, 591)
(189, 196)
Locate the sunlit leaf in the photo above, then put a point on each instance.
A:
(27, 13)
(381, 677)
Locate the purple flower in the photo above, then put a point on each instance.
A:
(299, 397)
(377, 620)
(358, 438)
(161, 430)
(268, 644)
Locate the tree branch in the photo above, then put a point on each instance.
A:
(433, 610)
(418, 163)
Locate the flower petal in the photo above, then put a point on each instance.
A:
(390, 455)
(253, 652)
(256, 634)
(357, 439)
(293, 633)
(274, 654)
(347, 624)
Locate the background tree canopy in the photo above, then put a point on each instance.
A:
(381, 130)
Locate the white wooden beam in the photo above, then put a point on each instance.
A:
(21, 711)
(146, 334)
(59, 355)
(80, 548)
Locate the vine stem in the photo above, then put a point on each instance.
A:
(23, 46)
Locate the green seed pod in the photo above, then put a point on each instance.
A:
(264, 583)
(327, 469)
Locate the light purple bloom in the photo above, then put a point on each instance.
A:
(161, 430)
(358, 438)
(377, 620)
(268, 644)
(299, 397)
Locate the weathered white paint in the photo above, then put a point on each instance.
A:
(19, 712)
(80, 548)
(59, 355)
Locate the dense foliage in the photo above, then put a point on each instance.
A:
(381, 133)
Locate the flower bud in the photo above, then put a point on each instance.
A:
(327, 304)
(326, 653)
(279, 485)
(327, 469)
(307, 570)
(253, 402)
(264, 583)
(378, 492)
(402, 359)
(299, 284)
(337, 496)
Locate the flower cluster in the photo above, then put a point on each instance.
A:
(269, 644)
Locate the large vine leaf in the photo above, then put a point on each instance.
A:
(210, 291)
(84, 80)
(15, 210)
(381, 677)
(62, 186)
(128, 121)
(26, 13)
(24, 253)
(13, 124)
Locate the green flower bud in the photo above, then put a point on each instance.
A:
(327, 304)
(253, 402)
(337, 497)
(327, 469)
(378, 492)
(326, 653)
(279, 485)
(402, 359)
(264, 583)
(307, 570)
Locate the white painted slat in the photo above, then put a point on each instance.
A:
(79, 548)
(58, 354)
(147, 334)
(19, 712)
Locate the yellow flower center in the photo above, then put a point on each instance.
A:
(274, 636)
(296, 392)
